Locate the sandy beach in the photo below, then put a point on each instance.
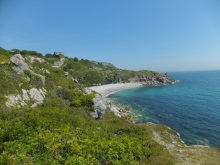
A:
(108, 89)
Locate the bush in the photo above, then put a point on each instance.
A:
(48, 136)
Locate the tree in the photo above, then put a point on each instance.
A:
(15, 51)
(48, 55)
(76, 59)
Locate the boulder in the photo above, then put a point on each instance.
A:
(36, 95)
(20, 64)
(25, 95)
(99, 106)
(45, 70)
(32, 59)
(59, 63)
(20, 100)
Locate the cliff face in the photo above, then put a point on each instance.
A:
(156, 80)
(91, 73)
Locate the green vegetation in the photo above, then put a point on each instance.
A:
(30, 52)
(4, 55)
(93, 73)
(70, 136)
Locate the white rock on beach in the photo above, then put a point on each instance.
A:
(100, 102)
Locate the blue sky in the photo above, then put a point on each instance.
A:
(161, 35)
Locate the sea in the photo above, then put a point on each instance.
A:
(191, 106)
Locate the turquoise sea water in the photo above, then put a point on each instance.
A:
(190, 106)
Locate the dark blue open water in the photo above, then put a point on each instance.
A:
(190, 106)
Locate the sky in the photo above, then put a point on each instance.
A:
(160, 35)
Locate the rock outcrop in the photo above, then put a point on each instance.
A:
(59, 63)
(45, 70)
(32, 59)
(99, 106)
(156, 80)
(35, 95)
(21, 65)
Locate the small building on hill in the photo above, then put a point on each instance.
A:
(58, 53)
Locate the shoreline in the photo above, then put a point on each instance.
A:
(105, 90)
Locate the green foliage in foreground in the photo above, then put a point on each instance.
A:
(70, 136)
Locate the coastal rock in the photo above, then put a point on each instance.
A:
(99, 106)
(156, 80)
(115, 110)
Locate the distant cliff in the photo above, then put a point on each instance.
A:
(96, 73)
(155, 80)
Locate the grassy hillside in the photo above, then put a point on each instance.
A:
(4, 55)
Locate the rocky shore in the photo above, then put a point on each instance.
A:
(101, 103)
